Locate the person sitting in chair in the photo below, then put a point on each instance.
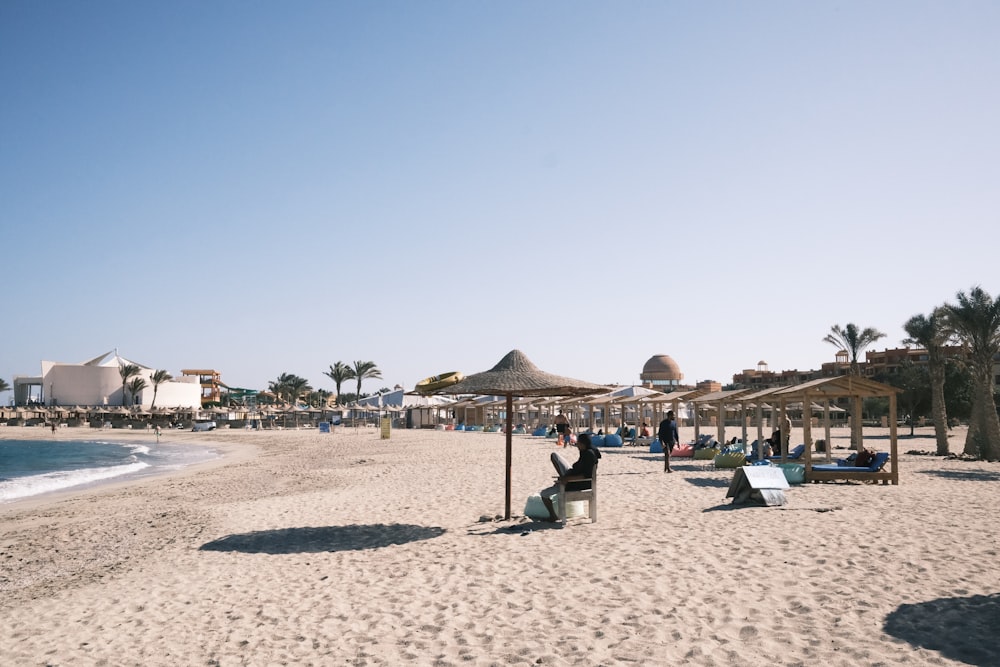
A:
(772, 446)
(577, 477)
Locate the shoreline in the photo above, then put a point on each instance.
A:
(227, 453)
(333, 548)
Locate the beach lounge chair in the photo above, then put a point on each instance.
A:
(590, 495)
(872, 473)
(682, 451)
(796, 453)
(678, 452)
(643, 441)
(729, 460)
(754, 450)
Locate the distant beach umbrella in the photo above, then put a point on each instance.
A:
(515, 375)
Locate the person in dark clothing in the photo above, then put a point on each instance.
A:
(668, 437)
(562, 428)
(577, 477)
(773, 444)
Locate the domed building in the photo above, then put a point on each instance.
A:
(661, 373)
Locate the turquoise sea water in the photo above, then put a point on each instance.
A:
(33, 467)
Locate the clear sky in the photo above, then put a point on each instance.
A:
(268, 187)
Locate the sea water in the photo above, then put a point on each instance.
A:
(35, 467)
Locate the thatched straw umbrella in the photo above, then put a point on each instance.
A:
(515, 375)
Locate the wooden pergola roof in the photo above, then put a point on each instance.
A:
(685, 394)
(842, 386)
(725, 396)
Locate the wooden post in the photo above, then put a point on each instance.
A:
(743, 423)
(720, 428)
(893, 445)
(807, 421)
(697, 431)
(510, 435)
(760, 425)
(856, 427)
(826, 430)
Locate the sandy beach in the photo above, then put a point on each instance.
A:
(301, 548)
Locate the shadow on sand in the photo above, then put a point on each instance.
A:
(729, 507)
(713, 482)
(965, 475)
(522, 528)
(322, 538)
(963, 629)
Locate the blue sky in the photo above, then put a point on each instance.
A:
(265, 187)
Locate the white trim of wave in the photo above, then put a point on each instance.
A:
(25, 487)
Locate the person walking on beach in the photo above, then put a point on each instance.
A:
(667, 434)
(562, 428)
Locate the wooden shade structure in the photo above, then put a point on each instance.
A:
(718, 400)
(855, 389)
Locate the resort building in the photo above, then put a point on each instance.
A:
(764, 378)
(661, 373)
(888, 361)
(709, 386)
(98, 382)
(210, 382)
(877, 364)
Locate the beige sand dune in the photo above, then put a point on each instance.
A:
(303, 548)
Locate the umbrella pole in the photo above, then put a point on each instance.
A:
(510, 431)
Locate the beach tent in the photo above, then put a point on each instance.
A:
(515, 375)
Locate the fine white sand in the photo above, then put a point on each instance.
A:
(303, 548)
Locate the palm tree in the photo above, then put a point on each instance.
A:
(279, 387)
(339, 373)
(318, 398)
(3, 385)
(931, 333)
(853, 341)
(127, 371)
(364, 370)
(296, 388)
(288, 387)
(976, 322)
(275, 387)
(135, 386)
(158, 378)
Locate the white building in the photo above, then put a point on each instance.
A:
(99, 382)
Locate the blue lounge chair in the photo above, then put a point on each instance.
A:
(871, 473)
(876, 465)
(796, 453)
